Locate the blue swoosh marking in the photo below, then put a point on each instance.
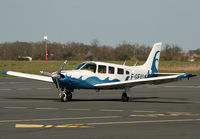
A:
(153, 67)
(4, 72)
(70, 82)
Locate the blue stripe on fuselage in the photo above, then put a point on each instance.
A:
(70, 82)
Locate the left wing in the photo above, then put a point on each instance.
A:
(152, 80)
(29, 76)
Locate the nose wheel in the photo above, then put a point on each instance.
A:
(66, 97)
(63, 97)
(69, 96)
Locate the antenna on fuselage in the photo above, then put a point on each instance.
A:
(136, 63)
(124, 62)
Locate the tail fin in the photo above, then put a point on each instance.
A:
(153, 59)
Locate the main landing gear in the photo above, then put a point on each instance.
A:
(125, 95)
(66, 96)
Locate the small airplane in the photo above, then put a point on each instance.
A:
(101, 75)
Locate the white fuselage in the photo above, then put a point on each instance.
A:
(120, 72)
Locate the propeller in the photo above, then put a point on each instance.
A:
(61, 67)
(56, 75)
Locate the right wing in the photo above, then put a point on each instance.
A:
(152, 80)
(29, 76)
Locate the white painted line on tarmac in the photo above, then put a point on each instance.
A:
(170, 86)
(23, 88)
(178, 112)
(5, 89)
(43, 88)
(144, 111)
(111, 110)
(15, 107)
(78, 109)
(46, 108)
(188, 86)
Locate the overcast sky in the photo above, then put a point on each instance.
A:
(109, 21)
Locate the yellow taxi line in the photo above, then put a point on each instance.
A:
(56, 119)
(87, 125)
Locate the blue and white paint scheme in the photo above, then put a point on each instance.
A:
(101, 75)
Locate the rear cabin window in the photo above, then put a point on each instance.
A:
(101, 69)
(120, 71)
(127, 72)
(111, 70)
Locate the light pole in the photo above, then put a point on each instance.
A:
(46, 39)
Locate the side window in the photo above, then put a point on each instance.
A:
(111, 70)
(101, 69)
(120, 71)
(127, 72)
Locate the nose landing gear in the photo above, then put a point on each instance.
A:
(63, 97)
(66, 96)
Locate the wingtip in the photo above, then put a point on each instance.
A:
(4, 72)
(191, 75)
(187, 75)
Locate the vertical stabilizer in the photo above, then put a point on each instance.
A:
(153, 59)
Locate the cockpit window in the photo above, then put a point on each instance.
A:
(79, 66)
(89, 66)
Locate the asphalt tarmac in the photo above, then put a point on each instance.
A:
(32, 109)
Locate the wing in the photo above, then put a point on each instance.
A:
(152, 80)
(29, 76)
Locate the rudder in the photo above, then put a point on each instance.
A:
(153, 58)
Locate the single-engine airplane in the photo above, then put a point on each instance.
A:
(101, 75)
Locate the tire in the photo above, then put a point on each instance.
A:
(69, 96)
(63, 98)
(124, 97)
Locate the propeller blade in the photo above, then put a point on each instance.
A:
(58, 85)
(59, 71)
(56, 76)
(46, 73)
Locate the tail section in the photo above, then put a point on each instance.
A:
(153, 59)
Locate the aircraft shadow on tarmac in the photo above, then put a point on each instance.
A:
(133, 100)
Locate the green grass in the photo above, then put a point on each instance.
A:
(178, 66)
(35, 67)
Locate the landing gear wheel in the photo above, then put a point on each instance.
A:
(124, 97)
(69, 96)
(63, 98)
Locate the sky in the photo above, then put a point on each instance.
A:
(111, 22)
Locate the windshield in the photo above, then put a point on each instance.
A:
(89, 66)
(79, 66)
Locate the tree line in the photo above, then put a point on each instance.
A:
(81, 51)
